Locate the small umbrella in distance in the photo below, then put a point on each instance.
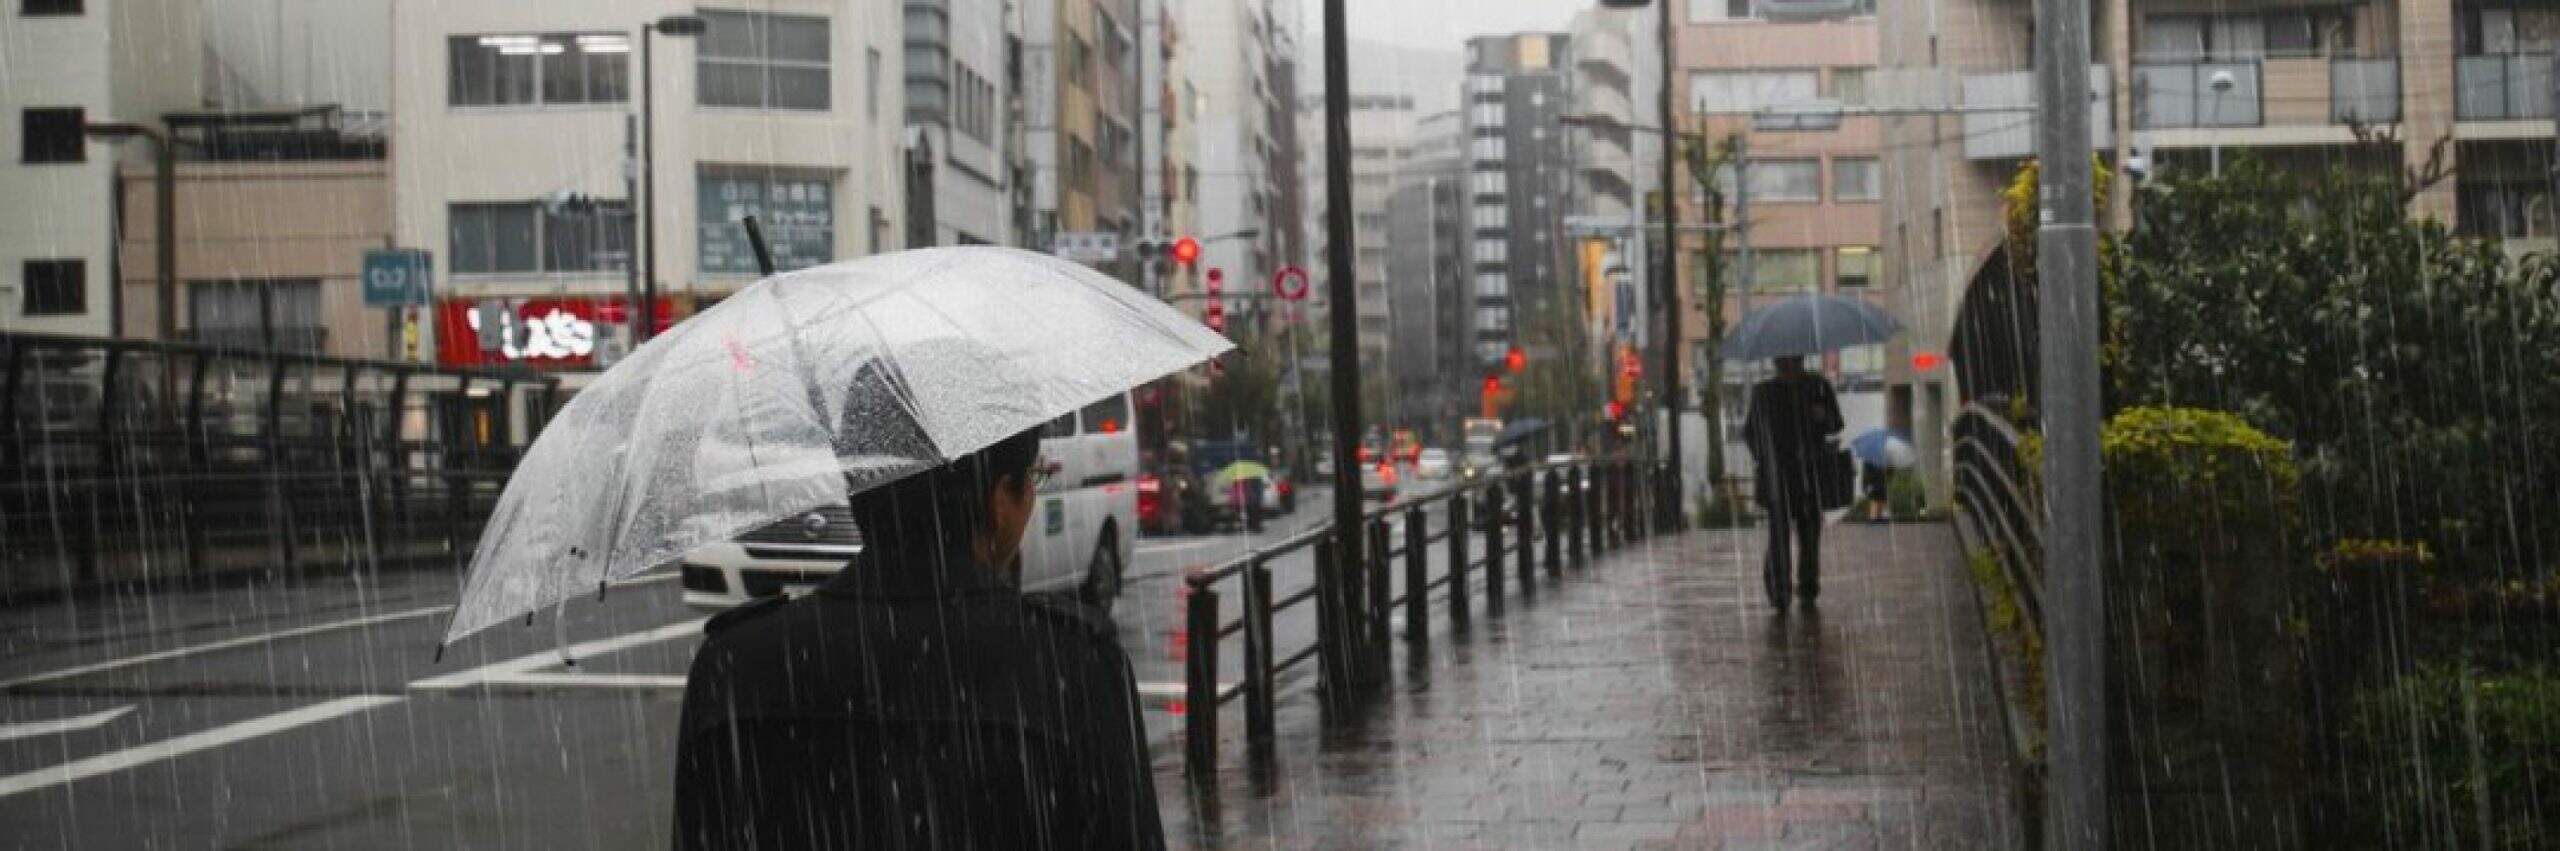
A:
(1883, 448)
(800, 390)
(1808, 325)
(1240, 471)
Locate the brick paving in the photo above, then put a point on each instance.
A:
(1654, 700)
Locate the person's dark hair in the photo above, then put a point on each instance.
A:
(947, 505)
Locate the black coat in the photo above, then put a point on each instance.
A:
(913, 703)
(1788, 419)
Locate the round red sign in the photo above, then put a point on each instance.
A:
(1289, 283)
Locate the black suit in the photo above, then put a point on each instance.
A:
(913, 703)
(1789, 418)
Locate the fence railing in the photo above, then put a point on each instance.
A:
(132, 460)
(1993, 508)
(1551, 516)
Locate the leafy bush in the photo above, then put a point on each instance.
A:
(2451, 758)
(1905, 497)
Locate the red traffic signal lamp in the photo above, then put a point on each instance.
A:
(1925, 361)
(1492, 386)
(1515, 360)
(1186, 251)
(1617, 410)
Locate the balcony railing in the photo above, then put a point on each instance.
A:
(2509, 85)
(2187, 94)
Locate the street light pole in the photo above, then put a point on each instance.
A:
(1667, 283)
(672, 25)
(1343, 647)
(165, 214)
(2066, 266)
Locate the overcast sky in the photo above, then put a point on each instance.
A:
(1438, 24)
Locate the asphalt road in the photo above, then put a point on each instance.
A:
(312, 714)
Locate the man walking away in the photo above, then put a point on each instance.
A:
(1791, 415)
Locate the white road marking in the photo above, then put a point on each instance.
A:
(545, 679)
(58, 726)
(1170, 692)
(536, 661)
(226, 644)
(109, 763)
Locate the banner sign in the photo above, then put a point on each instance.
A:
(549, 332)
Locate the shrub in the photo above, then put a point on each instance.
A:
(2451, 758)
(1905, 496)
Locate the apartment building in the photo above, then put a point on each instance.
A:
(1392, 89)
(1426, 267)
(1519, 176)
(1080, 100)
(1228, 49)
(509, 163)
(958, 164)
(2289, 83)
(70, 63)
(1616, 79)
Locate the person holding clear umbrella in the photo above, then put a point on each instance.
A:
(916, 699)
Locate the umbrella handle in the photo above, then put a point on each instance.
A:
(755, 240)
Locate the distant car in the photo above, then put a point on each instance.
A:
(1434, 465)
(1156, 516)
(1564, 458)
(1378, 481)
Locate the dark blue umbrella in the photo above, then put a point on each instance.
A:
(1808, 325)
(1883, 448)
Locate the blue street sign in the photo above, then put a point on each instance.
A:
(397, 276)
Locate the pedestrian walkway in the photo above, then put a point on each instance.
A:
(1654, 700)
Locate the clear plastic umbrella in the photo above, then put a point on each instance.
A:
(802, 389)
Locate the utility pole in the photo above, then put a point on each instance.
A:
(631, 314)
(2066, 267)
(1668, 514)
(1344, 647)
(1742, 221)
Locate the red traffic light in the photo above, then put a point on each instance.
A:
(1617, 409)
(1925, 361)
(1186, 251)
(1217, 280)
(1516, 360)
(1492, 385)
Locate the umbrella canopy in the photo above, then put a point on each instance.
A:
(801, 390)
(1240, 471)
(1883, 448)
(1808, 325)
(1519, 430)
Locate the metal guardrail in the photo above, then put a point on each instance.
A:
(1572, 513)
(1992, 508)
(138, 460)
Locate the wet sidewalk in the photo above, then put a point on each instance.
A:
(1655, 700)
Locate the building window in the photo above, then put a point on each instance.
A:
(1493, 285)
(528, 69)
(795, 209)
(52, 135)
(1747, 91)
(871, 82)
(1857, 266)
(1079, 62)
(1849, 86)
(242, 314)
(1785, 180)
(1856, 179)
(1737, 9)
(1492, 251)
(2509, 210)
(41, 8)
(529, 237)
(760, 60)
(1779, 270)
(1492, 216)
(55, 288)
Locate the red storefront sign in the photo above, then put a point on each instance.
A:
(546, 333)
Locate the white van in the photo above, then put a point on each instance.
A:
(1079, 540)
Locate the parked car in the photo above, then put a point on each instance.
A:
(1378, 481)
(1079, 541)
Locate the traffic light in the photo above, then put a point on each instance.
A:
(1214, 313)
(1516, 360)
(1617, 410)
(1186, 251)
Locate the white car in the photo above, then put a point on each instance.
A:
(1434, 465)
(1079, 540)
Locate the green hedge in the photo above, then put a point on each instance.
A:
(2431, 743)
